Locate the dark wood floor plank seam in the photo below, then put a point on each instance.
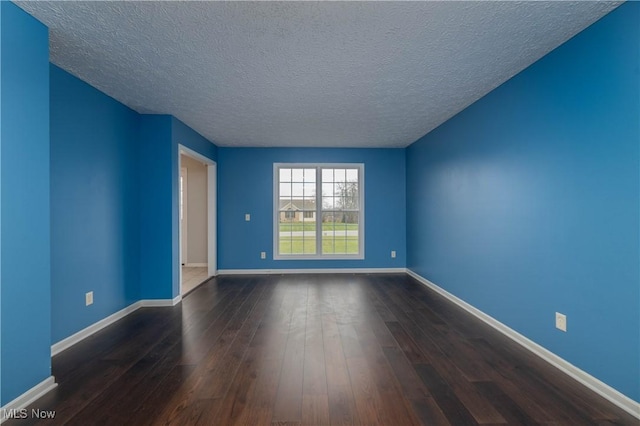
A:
(342, 409)
(288, 403)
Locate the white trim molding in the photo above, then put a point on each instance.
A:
(24, 400)
(311, 271)
(211, 213)
(153, 303)
(66, 343)
(581, 376)
(212, 219)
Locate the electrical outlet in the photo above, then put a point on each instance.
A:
(393, 254)
(263, 255)
(247, 217)
(88, 298)
(561, 321)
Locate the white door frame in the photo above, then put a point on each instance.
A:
(211, 209)
(184, 233)
(212, 224)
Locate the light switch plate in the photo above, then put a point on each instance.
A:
(561, 321)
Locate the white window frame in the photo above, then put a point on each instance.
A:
(276, 210)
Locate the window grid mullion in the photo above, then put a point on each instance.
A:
(319, 211)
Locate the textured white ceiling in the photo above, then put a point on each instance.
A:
(357, 74)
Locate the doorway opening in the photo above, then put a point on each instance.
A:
(197, 216)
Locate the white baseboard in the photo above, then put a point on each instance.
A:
(28, 397)
(311, 271)
(196, 265)
(63, 344)
(152, 303)
(66, 343)
(599, 387)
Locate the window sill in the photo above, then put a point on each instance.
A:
(325, 257)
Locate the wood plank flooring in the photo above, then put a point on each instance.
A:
(312, 350)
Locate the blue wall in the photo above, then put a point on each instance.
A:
(527, 202)
(155, 214)
(94, 196)
(159, 221)
(114, 177)
(24, 191)
(245, 182)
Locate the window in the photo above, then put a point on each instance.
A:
(319, 211)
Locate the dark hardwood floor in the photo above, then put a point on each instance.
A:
(312, 350)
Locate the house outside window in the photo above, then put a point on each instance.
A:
(319, 211)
